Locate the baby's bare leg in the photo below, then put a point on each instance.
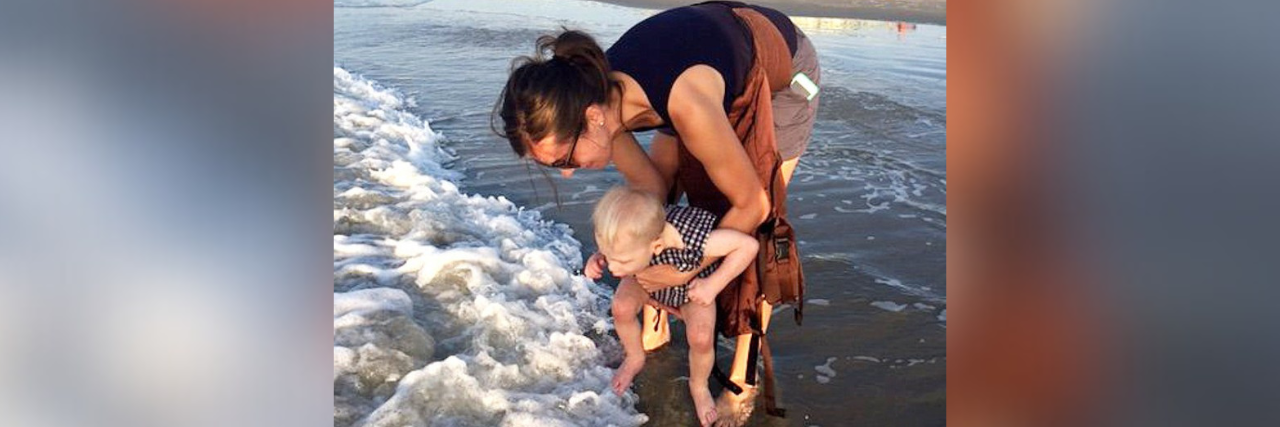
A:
(627, 302)
(700, 324)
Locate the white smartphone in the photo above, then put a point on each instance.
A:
(804, 86)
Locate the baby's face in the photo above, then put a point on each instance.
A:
(626, 259)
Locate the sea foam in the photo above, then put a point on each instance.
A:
(453, 309)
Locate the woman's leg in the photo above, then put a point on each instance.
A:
(788, 168)
(738, 373)
(656, 330)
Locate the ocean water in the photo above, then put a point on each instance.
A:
(454, 301)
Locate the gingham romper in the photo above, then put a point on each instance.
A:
(693, 224)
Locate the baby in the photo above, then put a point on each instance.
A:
(634, 231)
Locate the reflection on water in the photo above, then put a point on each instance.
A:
(812, 25)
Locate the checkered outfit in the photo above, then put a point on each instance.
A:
(693, 224)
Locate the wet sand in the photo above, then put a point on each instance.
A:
(919, 11)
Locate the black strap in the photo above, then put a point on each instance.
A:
(753, 352)
(724, 380)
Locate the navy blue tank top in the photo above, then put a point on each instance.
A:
(657, 50)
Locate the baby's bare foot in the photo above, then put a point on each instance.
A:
(704, 405)
(627, 372)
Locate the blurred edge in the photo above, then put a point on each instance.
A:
(165, 190)
(1025, 340)
(1112, 204)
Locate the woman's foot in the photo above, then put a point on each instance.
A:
(704, 405)
(626, 373)
(735, 409)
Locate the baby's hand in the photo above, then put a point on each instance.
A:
(595, 266)
(702, 291)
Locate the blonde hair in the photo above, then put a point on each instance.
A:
(627, 214)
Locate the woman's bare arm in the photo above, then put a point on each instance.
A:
(664, 151)
(698, 114)
(695, 107)
(635, 166)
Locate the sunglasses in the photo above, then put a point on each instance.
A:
(567, 162)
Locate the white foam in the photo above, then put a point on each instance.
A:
(867, 358)
(889, 305)
(895, 183)
(917, 291)
(822, 379)
(825, 368)
(874, 208)
(809, 216)
(588, 190)
(520, 338)
(367, 300)
(942, 317)
(923, 306)
(818, 301)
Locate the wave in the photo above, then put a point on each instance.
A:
(453, 309)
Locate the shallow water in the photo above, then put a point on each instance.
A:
(868, 201)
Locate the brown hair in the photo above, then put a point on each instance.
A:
(549, 95)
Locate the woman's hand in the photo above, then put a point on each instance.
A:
(595, 267)
(703, 291)
(659, 277)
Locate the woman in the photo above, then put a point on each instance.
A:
(678, 72)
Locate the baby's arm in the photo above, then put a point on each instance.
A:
(737, 248)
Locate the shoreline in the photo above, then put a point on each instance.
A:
(914, 11)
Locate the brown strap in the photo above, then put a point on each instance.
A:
(770, 386)
(771, 48)
(799, 311)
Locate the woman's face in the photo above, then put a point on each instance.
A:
(592, 150)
